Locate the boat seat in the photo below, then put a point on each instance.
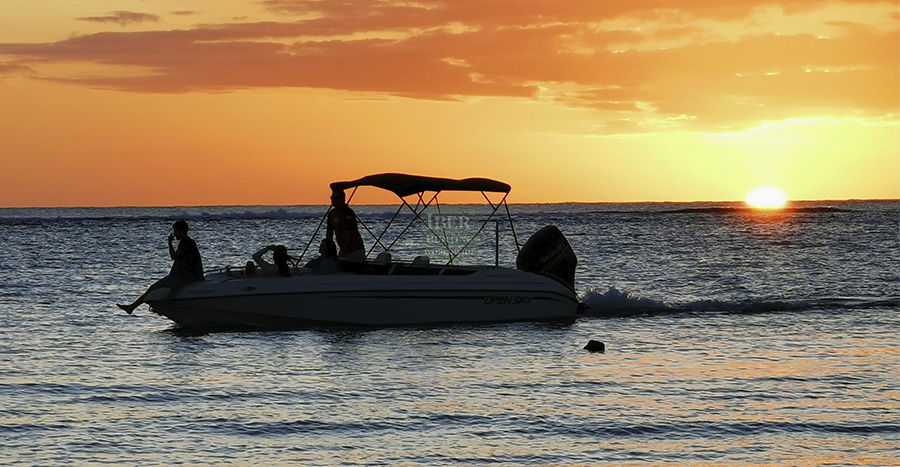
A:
(421, 261)
(382, 258)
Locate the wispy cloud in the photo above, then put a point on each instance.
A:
(11, 68)
(122, 18)
(710, 64)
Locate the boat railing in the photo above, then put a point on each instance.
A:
(245, 272)
(417, 266)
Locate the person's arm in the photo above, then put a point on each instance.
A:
(172, 253)
(329, 228)
(265, 267)
(259, 259)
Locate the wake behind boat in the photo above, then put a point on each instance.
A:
(382, 291)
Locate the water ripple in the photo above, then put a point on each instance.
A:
(765, 340)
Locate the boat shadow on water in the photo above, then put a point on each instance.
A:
(356, 330)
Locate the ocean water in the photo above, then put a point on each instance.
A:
(732, 338)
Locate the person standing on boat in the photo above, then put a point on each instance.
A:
(343, 229)
(187, 265)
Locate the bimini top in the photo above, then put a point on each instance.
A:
(405, 185)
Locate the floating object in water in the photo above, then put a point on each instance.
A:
(595, 346)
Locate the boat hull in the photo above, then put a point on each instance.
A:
(491, 295)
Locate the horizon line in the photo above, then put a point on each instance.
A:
(835, 200)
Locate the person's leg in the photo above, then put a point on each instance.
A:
(355, 255)
(177, 284)
(164, 282)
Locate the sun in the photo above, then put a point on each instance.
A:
(767, 197)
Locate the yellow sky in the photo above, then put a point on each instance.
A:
(201, 102)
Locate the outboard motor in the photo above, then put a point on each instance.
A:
(548, 253)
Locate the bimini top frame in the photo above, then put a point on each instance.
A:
(404, 185)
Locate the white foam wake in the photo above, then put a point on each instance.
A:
(614, 302)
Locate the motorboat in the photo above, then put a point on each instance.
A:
(382, 290)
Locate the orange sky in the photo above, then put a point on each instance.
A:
(195, 102)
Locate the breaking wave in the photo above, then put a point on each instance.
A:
(37, 216)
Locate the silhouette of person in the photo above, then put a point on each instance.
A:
(327, 260)
(187, 265)
(279, 257)
(343, 228)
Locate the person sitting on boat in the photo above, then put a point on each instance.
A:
(327, 260)
(187, 265)
(342, 227)
(279, 258)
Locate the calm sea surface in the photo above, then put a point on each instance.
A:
(733, 338)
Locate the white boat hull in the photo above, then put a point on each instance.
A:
(489, 295)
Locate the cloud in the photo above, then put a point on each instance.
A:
(11, 68)
(122, 18)
(708, 64)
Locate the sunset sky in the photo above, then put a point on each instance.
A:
(219, 102)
